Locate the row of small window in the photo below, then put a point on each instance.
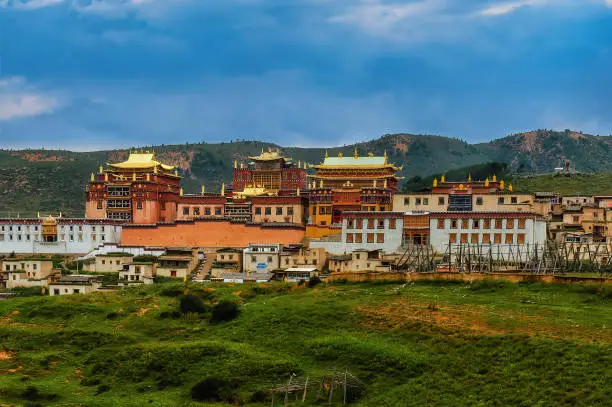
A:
(36, 238)
(369, 237)
(508, 238)
(62, 228)
(7, 267)
(441, 200)
(370, 224)
(279, 210)
(207, 211)
(482, 223)
(287, 260)
(18, 228)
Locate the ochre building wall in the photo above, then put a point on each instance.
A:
(208, 234)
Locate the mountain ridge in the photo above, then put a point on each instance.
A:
(34, 180)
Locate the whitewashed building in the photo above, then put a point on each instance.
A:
(56, 235)
(500, 233)
(365, 231)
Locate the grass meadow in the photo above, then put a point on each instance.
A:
(422, 344)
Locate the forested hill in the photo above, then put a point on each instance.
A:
(53, 181)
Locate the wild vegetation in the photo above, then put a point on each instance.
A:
(53, 181)
(490, 343)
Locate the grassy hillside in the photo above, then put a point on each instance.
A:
(485, 344)
(43, 180)
(564, 184)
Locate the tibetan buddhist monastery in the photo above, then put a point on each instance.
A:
(267, 174)
(460, 193)
(351, 184)
(140, 190)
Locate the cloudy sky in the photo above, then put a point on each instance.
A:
(91, 74)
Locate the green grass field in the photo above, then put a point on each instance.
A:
(442, 344)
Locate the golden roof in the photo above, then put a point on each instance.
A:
(270, 155)
(253, 191)
(355, 161)
(141, 161)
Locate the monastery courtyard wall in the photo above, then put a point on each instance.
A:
(208, 233)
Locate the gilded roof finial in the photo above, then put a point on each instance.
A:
(340, 154)
(510, 187)
(133, 176)
(443, 178)
(326, 155)
(203, 189)
(223, 189)
(101, 170)
(470, 177)
(92, 177)
(181, 192)
(235, 164)
(486, 184)
(435, 182)
(502, 185)
(356, 155)
(494, 178)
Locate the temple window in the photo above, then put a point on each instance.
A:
(370, 237)
(268, 210)
(453, 223)
(441, 201)
(358, 238)
(440, 223)
(350, 224)
(464, 223)
(406, 201)
(521, 224)
(359, 224)
(500, 200)
(196, 211)
(417, 201)
(510, 224)
(290, 210)
(279, 210)
(487, 223)
(186, 210)
(521, 238)
(513, 199)
(100, 205)
(391, 223)
(474, 238)
(498, 223)
(139, 205)
(476, 224)
(207, 211)
(478, 200)
(218, 211)
(509, 238)
(257, 210)
(380, 238)
(425, 201)
(370, 223)
(349, 238)
(452, 238)
(381, 224)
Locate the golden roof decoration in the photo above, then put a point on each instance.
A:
(141, 161)
(253, 190)
(270, 155)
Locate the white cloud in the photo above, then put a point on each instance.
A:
(30, 4)
(18, 100)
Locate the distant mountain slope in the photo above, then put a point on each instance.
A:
(53, 181)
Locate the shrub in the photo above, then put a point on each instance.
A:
(224, 311)
(171, 292)
(191, 303)
(112, 315)
(259, 396)
(103, 388)
(31, 393)
(605, 293)
(213, 389)
(314, 281)
(487, 285)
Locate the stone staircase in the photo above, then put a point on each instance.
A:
(202, 270)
